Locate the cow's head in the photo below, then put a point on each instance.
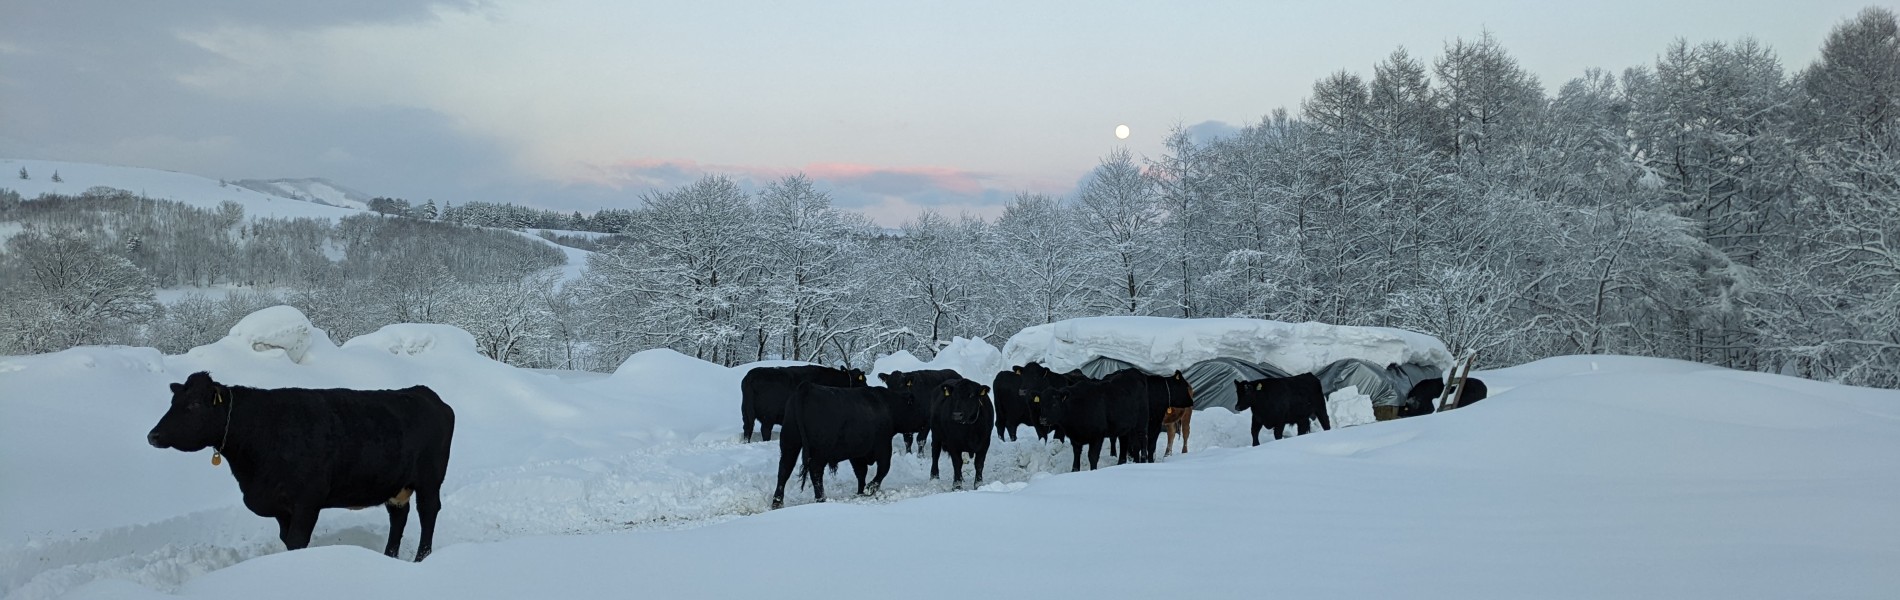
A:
(1244, 393)
(199, 413)
(894, 379)
(857, 378)
(963, 401)
(1054, 404)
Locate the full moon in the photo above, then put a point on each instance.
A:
(1121, 132)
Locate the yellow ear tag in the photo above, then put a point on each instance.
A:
(946, 392)
(1037, 399)
(1259, 386)
(216, 459)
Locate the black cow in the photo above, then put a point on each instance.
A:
(1423, 398)
(1091, 410)
(763, 392)
(828, 425)
(1012, 407)
(1037, 382)
(961, 423)
(1281, 401)
(917, 387)
(298, 451)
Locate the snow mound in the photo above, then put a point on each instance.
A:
(278, 329)
(1163, 345)
(410, 339)
(974, 359)
(662, 364)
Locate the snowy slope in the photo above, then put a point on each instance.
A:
(154, 183)
(202, 192)
(311, 189)
(1582, 477)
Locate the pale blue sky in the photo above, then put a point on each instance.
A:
(583, 104)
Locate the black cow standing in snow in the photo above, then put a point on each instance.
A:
(827, 425)
(1423, 398)
(1037, 381)
(1281, 401)
(764, 390)
(961, 423)
(298, 451)
(1092, 410)
(1012, 406)
(918, 389)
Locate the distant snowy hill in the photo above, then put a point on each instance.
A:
(309, 198)
(310, 189)
(76, 178)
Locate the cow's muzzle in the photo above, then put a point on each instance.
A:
(156, 441)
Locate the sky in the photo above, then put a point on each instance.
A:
(891, 107)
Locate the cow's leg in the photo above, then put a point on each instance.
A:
(765, 430)
(956, 467)
(1113, 448)
(935, 453)
(1095, 454)
(1306, 425)
(1170, 449)
(1256, 432)
(816, 471)
(1279, 430)
(1077, 449)
(428, 503)
(922, 437)
(980, 455)
(398, 518)
(908, 436)
(1187, 424)
(883, 468)
(296, 533)
(1325, 421)
(745, 420)
(859, 466)
(787, 458)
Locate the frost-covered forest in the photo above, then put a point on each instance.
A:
(1714, 206)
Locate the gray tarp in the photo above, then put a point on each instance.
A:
(1102, 366)
(1386, 386)
(1213, 379)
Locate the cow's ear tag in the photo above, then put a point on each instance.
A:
(985, 390)
(906, 384)
(1259, 386)
(1037, 399)
(217, 398)
(216, 458)
(946, 392)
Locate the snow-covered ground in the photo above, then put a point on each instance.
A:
(311, 189)
(1581, 477)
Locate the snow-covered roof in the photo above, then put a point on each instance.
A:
(1164, 345)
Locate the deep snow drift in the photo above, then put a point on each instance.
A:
(1584, 477)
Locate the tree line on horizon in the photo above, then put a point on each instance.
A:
(1711, 206)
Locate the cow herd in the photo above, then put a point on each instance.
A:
(297, 451)
(831, 416)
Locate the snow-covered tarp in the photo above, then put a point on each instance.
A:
(1387, 385)
(1163, 345)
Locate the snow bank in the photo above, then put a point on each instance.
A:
(974, 359)
(277, 332)
(410, 339)
(1163, 345)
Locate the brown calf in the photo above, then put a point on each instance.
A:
(1177, 420)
